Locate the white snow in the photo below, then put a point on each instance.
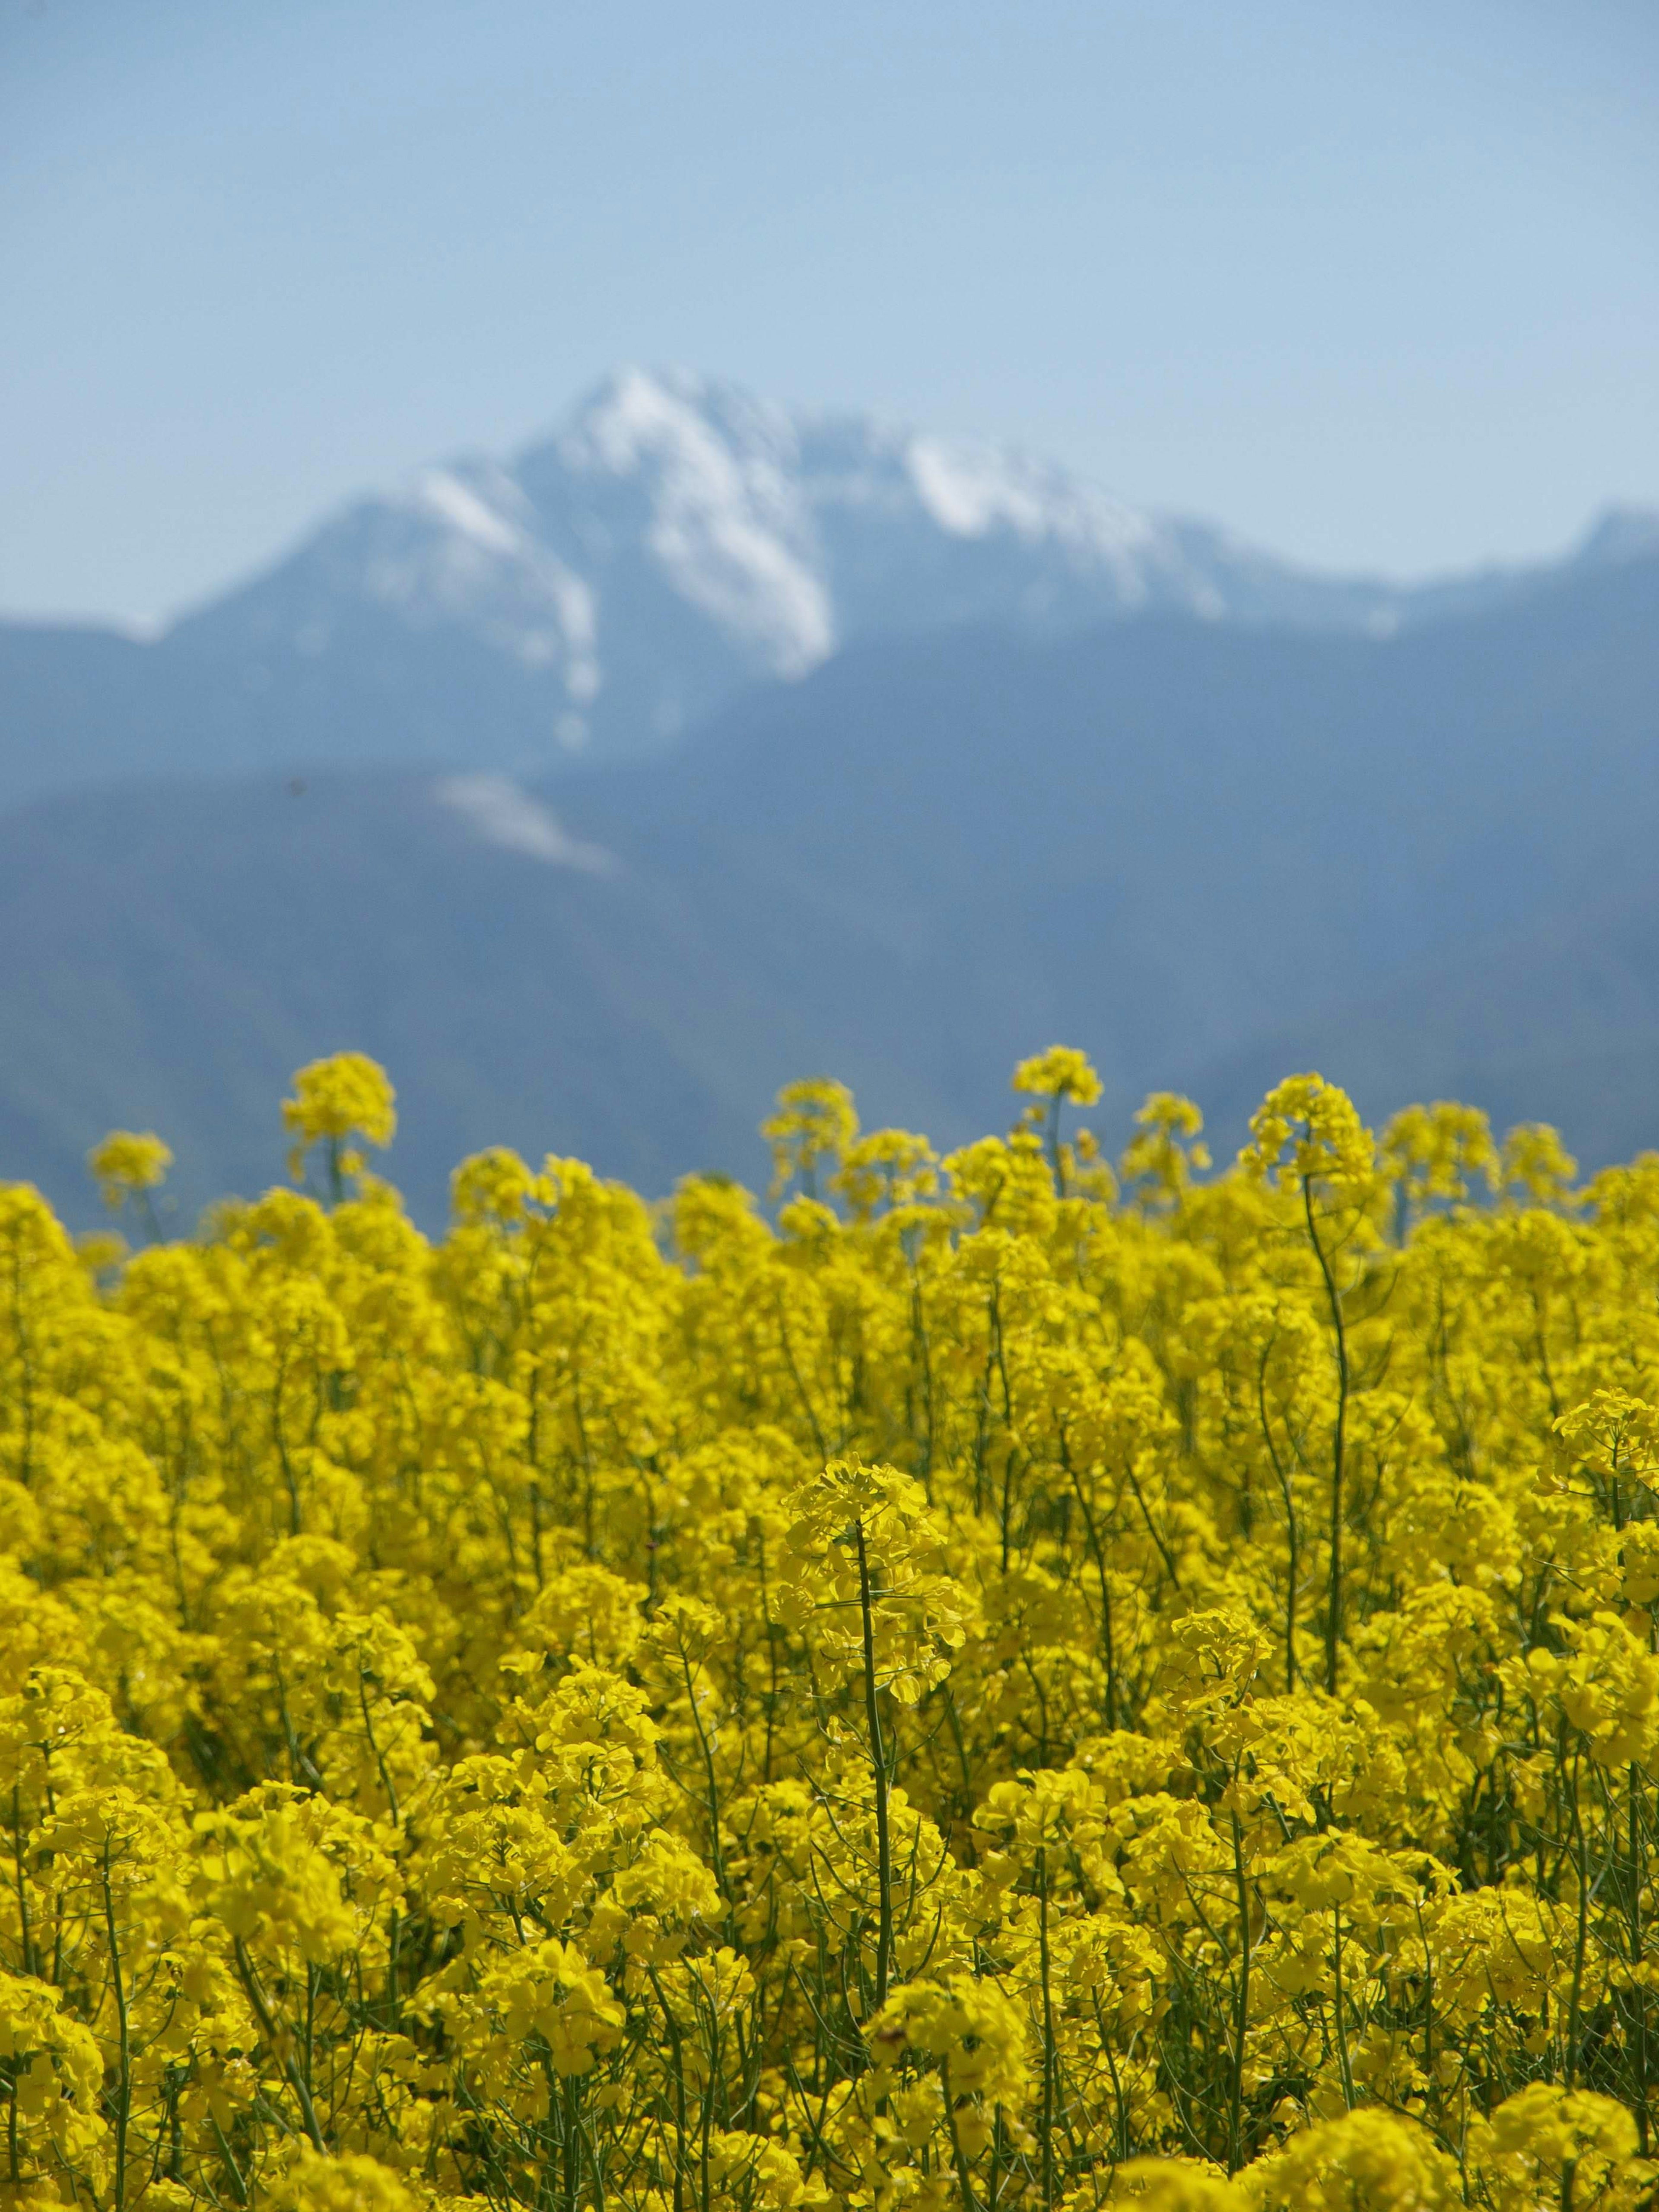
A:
(462, 509)
(728, 524)
(451, 549)
(970, 489)
(503, 813)
(968, 492)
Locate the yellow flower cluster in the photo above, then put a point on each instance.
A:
(991, 1688)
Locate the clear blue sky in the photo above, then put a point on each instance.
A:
(1374, 282)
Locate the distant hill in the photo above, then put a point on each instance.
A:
(1205, 853)
(600, 595)
(1557, 1022)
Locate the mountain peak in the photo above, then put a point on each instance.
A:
(725, 522)
(638, 422)
(1619, 534)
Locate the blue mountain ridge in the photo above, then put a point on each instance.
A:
(1207, 851)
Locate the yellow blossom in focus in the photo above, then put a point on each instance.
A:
(960, 1692)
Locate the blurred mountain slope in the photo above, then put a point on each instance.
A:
(1167, 841)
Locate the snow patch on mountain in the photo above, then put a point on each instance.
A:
(503, 812)
(971, 489)
(463, 547)
(728, 524)
(444, 494)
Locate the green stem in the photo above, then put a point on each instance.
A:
(1048, 2052)
(1241, 2010)
(1333, 1297)
(124, 2076)
(878, 1769)
(256, 1997)
(1344, 2067)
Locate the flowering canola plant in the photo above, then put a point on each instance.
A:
(988, 1687)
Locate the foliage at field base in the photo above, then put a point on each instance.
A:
(991, 1689)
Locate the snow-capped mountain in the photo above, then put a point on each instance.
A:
(679, 540)
(597, 596)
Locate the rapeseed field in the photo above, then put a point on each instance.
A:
(991, 1685)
